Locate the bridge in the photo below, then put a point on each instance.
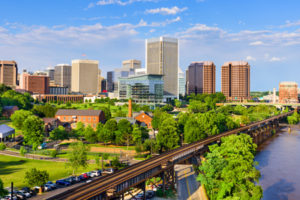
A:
(114, 186)
(294, 105)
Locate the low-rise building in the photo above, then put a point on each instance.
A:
(59, 98)
(9, 110)
(6, 132)
(51, 124)
(87, 117)
(143, 117)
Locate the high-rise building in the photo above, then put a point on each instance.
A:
(37, 84)
(181, 82)
(110, 81)
(131, 64)
(63, 75)
(236, 80)
(201, 78)
(162, 59)
(103, 85)
(50, 72)
(288, 92)
(8, 73)
(85, 76)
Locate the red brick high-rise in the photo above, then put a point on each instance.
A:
(236, 80)
(201, 78)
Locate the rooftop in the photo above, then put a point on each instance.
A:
(73, 112)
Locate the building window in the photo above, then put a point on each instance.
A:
(64, 118)
(79, 118)
(89, 119)
(94, 118)
(94, 125)
(83, 118)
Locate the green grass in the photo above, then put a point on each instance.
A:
(112, 146)
(12, 169)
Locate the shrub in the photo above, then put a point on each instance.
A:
(54, 153)
(23, 151)
(2, 146)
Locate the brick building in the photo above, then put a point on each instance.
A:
(201, 78)
(9, 110)
(236, 80)
(59, 98)
(144, 117)
(35, 83)
(288, 92)
(87, 117)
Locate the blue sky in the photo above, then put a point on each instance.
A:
(266, 33)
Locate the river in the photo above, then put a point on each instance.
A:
(279, 164)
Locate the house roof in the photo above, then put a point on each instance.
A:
(73, 112)
(135, 114)
(49, 120)
(9, 107)
(6, 130)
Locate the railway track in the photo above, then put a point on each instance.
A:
(102, 184)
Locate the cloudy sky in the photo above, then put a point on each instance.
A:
(266, 33)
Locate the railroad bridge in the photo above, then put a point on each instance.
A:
(114, 186)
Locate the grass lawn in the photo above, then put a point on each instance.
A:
(112, 146)
(13, 169)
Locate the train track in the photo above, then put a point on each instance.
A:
(104, 183)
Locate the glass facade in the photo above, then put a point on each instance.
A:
(143, 89)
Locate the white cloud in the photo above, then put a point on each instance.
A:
(276, 59)
(166, 11)
(290, 24)
(118, 2)
(256, 43)
(250, 58)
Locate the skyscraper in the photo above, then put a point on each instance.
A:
(110, 81)
(62, 75)
(181, 82)
(85, 76)
(8, 73)
(131, 64)
(236, 80)
(162, 59)
(50, 72)
(201, 78)
(288, 92)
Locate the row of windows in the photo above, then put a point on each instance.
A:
(79, 118)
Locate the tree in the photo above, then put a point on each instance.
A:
(106, 111)
(110, 128)
(35, 177)
(33, 130)
(19, 117)
(167, 108)
(3, 191)
(80, 129)
(44, 110)
(125, 131)
(294, 118)
(229, 169)
(23, 151)
(167, 137)
(178, 103)
(90, 135)
(59, 133)
(78, 156)
(158, 117)
(139, 134)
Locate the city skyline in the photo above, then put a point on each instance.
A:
(113, 31)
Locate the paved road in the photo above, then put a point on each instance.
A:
(187, 185)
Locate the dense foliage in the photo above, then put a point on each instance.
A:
(35, 177)
(10, 97)
(3, 192)
(33, 131)
(44, 110)
(294, 119)
(229, 169)
(78, 156)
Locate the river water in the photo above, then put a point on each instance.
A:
(279, 164)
